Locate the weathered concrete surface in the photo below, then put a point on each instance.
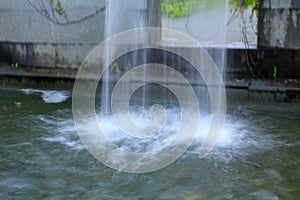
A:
(45, 54)
(286, 61)
(279, 24)
(279, 39)
(216, 26)
(29, 39)
(283, 91)
(19, 22)
(32, 40)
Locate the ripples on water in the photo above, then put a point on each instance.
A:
(42, 156)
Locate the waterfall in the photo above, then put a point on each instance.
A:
(150, 93)
(121, 15)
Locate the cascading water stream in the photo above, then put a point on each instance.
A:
(121, 16)
(125, 15)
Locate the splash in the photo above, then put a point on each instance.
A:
(49, 96)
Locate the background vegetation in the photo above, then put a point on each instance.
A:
(182, 8)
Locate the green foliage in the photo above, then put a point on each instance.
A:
(58, 8)
(243, 5)
(16, 65)
(275, 72)
(182, 8)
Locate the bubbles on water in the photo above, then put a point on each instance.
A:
(49, 96)
(55, 96)
(238, 139)
(18, 104)
(156, 142)
(60, 130)
(65, 140)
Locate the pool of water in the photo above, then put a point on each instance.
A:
(42, 157)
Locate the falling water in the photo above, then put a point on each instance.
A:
(121, 16)
(191, 82)
(125, 15)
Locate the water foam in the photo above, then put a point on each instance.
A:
(49, 96)
(236, 140)
(60, 130)
(126, 142)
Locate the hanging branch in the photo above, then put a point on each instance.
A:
(55, 13)
(238, 9)
(249, 58)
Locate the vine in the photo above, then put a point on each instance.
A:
(239, 6)
(183, 8)
(53, 11)
(243, 5)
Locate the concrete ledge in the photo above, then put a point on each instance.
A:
(284, 91)
(45, 54)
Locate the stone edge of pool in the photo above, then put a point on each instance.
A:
(282, 90)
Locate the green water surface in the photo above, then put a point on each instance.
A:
(42, 157)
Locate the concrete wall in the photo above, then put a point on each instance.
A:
(287, 62)
(122, 15)
(279, 39)
(216, 26)
(279, 24)
(32, 40)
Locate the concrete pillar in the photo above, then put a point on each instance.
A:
(279, 39)
(279, 24)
